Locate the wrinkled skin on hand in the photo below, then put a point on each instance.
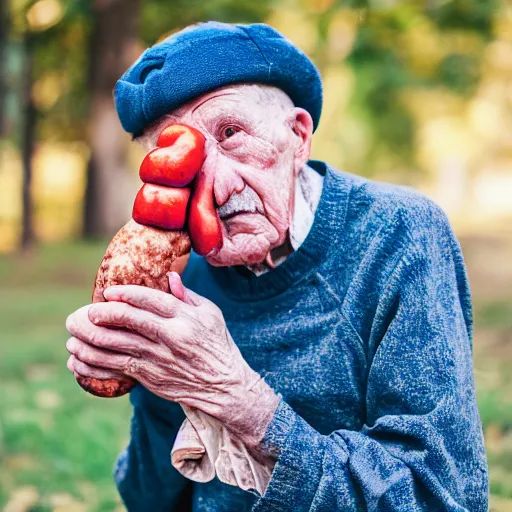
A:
(136, 255)
(178, 347)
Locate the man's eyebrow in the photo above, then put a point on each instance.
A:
(211, 98)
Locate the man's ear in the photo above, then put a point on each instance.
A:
(302, 125)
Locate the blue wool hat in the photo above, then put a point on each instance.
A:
(206, 56)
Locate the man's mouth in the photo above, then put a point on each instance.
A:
(234, 214)
(246, 201)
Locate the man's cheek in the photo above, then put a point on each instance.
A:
(254, 152)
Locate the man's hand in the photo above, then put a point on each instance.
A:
(176, 345)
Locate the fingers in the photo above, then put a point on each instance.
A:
(81, 327)
(111, 339)
(120, 314)
(99, 358)
(78, 323)
(155, 301)
(178, 290)
(84, 370)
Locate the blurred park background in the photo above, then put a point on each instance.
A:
(417, 93)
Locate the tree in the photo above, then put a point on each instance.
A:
(29, 118)
(113, 46)
(399, 47)
(4, 32)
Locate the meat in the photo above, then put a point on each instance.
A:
(155, 242)
(143, 256)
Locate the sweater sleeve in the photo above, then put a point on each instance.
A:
(421, 445)
(144, 475)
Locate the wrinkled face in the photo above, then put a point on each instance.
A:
(256, 142)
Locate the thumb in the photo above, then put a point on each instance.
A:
(180, 292)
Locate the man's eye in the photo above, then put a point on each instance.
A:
(229, 131)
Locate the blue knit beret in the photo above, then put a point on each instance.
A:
(206, 56)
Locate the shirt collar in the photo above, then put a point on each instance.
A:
(308, 189)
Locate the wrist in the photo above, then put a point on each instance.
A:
(253, 410)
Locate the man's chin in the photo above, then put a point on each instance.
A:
(232, 254)
(246, 240)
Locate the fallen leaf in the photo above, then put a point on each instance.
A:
(48, 399)
(22, 499)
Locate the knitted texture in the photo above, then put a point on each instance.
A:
(210, 55)
(365, 332)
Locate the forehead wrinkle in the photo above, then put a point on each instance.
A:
(247, 99)
(212, 98)
(232, 105)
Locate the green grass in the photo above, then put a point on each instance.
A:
(495, 314)
(58, 444)
(53, 436)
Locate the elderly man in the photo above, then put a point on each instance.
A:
(329, 335)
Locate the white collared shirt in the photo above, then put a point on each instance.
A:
(308, 189)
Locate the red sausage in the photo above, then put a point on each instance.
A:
(177, 159)
(203, 220)
(161, 207)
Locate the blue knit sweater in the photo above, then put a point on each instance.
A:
(365, 331)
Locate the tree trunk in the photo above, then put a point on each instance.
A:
(27, 141)
(4, 38)
(113, 48)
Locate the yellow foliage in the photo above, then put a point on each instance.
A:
(44, 14)
(297, 26)
(446, 137)
(427, 104)
(316, 5)
(499, 56)
(58, 186)
(342, 34)
(58, 189)
(59, 173)
(48, 89)
(10, 184)
(422, 47)
(503, 23)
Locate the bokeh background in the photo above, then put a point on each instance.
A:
(416, 93)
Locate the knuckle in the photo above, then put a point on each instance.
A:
(85, 354)
(79, 352)
(183, 329)
(92, 337)
(99, 338)
(77, 365)
(132, 366)
(83, 368)
(93, 313)
(122, 312)
(125, 342)
(157, 380)
(154, 329)
(141, 299)
(162, 306)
